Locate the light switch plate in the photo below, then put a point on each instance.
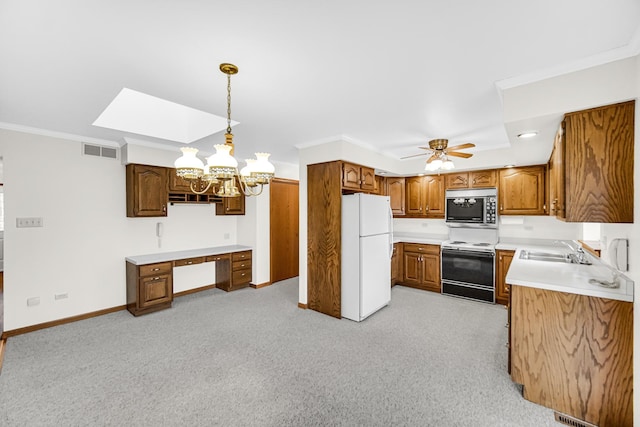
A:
(29, 222)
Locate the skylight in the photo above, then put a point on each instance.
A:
(137, 112)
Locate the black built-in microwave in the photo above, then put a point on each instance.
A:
(472, 208)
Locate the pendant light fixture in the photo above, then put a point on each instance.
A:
(221, 170)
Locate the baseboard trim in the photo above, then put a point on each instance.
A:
(194, 290)
(303, 306)
(3, 343)
(20, 331)
(261, 285)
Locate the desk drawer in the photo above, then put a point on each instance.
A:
(241, 277)
(188, 261)
(242, 265)
(221, 257)
(423, 248)
(241, 256)
(155, 269)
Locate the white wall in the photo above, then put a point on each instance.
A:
(86, 234)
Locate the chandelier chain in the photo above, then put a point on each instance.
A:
(228, 103)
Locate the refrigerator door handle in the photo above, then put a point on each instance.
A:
(390, 233)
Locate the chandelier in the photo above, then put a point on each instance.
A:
(439, 161)
(222, 167)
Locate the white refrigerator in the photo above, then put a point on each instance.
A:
(367, 246)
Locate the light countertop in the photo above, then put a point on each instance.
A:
(566, 277)
(189, 253)
(428, 239)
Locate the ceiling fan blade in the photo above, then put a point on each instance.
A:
(461, 146)
(456, 154)
(415, 155)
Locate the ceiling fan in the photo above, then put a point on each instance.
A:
(439, 153)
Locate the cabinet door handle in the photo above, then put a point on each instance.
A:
(156, 269)
(155, 279)
(474, 181)
(500, 207)
(164, 208)
(427, 208)
(189, 262)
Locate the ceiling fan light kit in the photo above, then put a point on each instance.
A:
(439, 154)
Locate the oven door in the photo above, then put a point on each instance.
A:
(469, 267)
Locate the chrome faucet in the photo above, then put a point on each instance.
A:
(577, 254)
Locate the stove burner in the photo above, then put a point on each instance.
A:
(457, 242)
(482, 244)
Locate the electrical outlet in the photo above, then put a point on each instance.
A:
(33, 301)
(60, 296)
(29, 222)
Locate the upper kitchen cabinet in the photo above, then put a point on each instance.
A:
(180, 190)
(357, 178)
(425, 196)
(556, 171)
(146, 191)
(231, 206)
(395, 191)
(473, 179)
(598, 164)
(521, 191)
(379, 187)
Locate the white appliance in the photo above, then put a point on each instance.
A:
(367, 246)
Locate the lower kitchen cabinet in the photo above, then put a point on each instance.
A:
(396, 271)
(421, 266)
(235, 274)
(149, 287)
(503, 261)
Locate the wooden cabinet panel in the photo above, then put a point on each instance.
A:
(421, 266)
(425, 196)
(357, 177)
(214, 258)
(521, 191)
(396, 192)
(231, 206)
(396, 259)
(188, 261)
(483, 178)
(146, 190)
(556, 175)
(149, 287)
(234, 272)
(379, 187)
(599, 152)
(574, 354)
(457, 180)
(503, 261)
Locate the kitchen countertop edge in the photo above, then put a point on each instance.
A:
(188, 253)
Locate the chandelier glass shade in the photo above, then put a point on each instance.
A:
(221, 170)
(440, 162)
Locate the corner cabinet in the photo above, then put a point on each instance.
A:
(598, 164)
(521, 191)
(146, 191)
(425, 196)
(358, 178)
(503, 261)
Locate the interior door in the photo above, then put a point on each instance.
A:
(283, 202)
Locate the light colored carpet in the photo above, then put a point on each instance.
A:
(253, 358)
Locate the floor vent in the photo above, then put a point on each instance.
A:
(99, 151)
(570, 421)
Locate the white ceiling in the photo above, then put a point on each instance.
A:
(387, 74)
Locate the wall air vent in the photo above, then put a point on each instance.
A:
(99, 151)
(570, 421)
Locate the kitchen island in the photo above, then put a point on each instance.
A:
(571, 341)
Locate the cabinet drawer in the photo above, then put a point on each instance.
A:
(427, 249)
(155, 269)
(188, 261)
(241, 277)
(240, 256)
(221, 257)
(242, 265)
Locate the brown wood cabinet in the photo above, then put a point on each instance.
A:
(421, 266)
(179, 190)
(574, 354)
(231, 206)
(379, 187)
(396, 264)
(146, 190)
(357, 177)
(503, 261)
(149, 287)
(472, 179)
(521, 191)
(556, 174)
(396, 192)
(597, 165)
(235, 274)
(425, 196)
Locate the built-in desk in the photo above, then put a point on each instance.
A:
(150, 277)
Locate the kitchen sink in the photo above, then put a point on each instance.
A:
(546, 256)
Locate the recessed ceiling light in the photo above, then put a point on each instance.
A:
(530, 134)
(509, 166)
